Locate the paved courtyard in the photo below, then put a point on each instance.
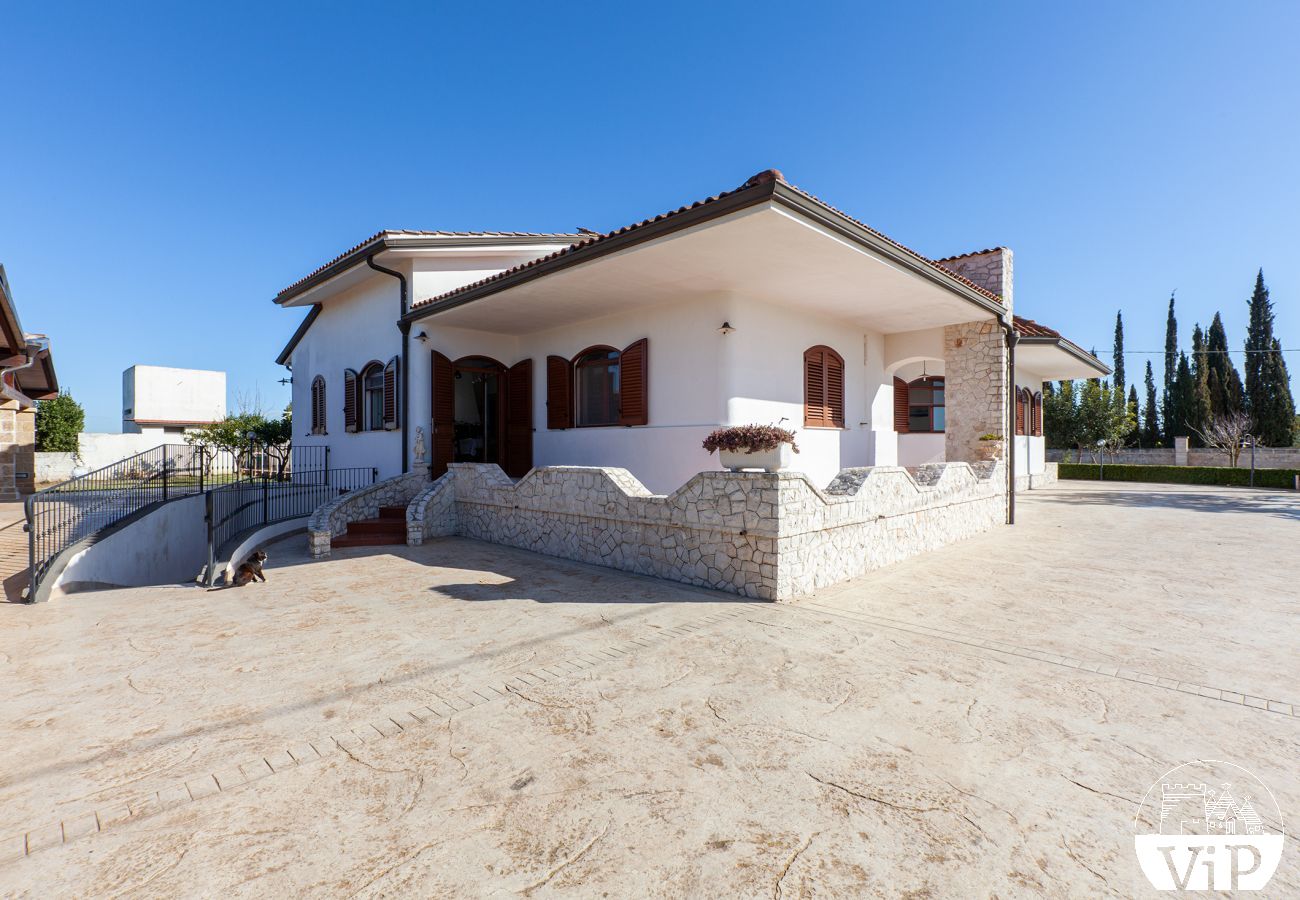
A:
(466, 719)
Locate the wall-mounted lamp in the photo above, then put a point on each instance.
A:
(422, 337)
(725, 328)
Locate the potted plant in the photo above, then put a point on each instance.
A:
(740, 447)
(991, 447)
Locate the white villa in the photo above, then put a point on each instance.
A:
(622, 351)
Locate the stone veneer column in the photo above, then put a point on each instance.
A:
(8, 449)
(975, 391)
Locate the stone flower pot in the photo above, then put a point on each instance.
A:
(989, 451)
(772, 460)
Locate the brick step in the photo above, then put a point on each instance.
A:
(368, 540)
(377, 526)
(392, 512)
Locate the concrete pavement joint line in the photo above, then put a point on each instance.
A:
(1234, 697)
(133, 807)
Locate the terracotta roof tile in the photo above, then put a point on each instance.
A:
(970, 253)
(765, 177)
(1030, 328)
(399, 232)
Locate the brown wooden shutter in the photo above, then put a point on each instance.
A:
(1020, 411)
(318, 405)
(633, 384)
(442, 395)
(390, 394)
(823, 388)
(559, 392)
(900, 406)
(519, 419)
(814, 389)
(350, 401)
(1038, 415)
(834, 389)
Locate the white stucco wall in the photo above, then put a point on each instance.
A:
(168, 545)
(1031, 452)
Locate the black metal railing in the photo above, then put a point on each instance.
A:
(81, 508)
(234, 508)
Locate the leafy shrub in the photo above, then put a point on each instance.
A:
(750, 438)
(59, 421)
(1218, 475)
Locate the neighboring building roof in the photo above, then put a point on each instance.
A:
(382, 239)
(1030, 328)
(768, 184)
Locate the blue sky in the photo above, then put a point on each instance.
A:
(165, 170)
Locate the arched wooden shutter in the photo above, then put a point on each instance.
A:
(1020, 411)
(559, 392)
(633, 384)
(350, 401)
(519, 419)
(442, 394)
(1038, 414)
(823, 388)
(900, 406)
(318, 409)
(390, 394)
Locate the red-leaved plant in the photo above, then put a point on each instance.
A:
(750, 439)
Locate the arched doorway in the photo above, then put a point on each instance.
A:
(482, 412)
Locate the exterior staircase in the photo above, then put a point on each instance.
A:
(389, 528)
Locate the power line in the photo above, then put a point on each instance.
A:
(1207, 352)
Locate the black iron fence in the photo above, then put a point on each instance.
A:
(239, 507)
(80, 509)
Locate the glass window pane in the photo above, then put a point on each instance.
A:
(597, 394)
(918, 418)
(938, 418)
(918, 395)
(938, 397)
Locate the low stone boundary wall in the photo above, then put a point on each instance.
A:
(768, 536)
(1265, 457)
(332, 518)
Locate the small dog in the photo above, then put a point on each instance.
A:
(250, 570)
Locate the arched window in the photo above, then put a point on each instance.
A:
(318, 405)
(925, 405)
(372, 397)
(1020, 410)
(823, 388)
(597, 376)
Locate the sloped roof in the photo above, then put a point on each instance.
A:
(771, 178)
(1030, 328)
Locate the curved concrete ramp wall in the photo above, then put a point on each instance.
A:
(166, 545)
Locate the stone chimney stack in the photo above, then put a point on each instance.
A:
(992, 270)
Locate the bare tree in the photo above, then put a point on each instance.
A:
(1228, 432)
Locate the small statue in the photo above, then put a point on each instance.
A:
(419, 445)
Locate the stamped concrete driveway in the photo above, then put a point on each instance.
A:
(463, 719)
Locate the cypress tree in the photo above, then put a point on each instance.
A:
(1171, 373)
(1259, 339)
(1199, 410)
(1181, 403)
(1275, 424)
(1150, 420)
(1119, 350)
(1135, 433)
(1226, 393)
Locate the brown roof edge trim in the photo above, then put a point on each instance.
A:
(670, 223)
(298, 335)
(848, 227)
(357, 255)
(1067, 346)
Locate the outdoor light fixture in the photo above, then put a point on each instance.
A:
(725, 328)
(422, 337)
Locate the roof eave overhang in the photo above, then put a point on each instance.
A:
(744, 198)
(287, 352)
(381, 244)
(1070, 348)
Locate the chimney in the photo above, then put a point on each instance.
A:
(992, 270)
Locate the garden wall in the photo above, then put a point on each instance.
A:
(767, 536)
(1265, 457)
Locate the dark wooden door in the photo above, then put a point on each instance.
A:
(443, 415)
(519, 419)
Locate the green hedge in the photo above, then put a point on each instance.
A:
(1222, 475)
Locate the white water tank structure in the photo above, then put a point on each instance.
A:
(160, 400)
